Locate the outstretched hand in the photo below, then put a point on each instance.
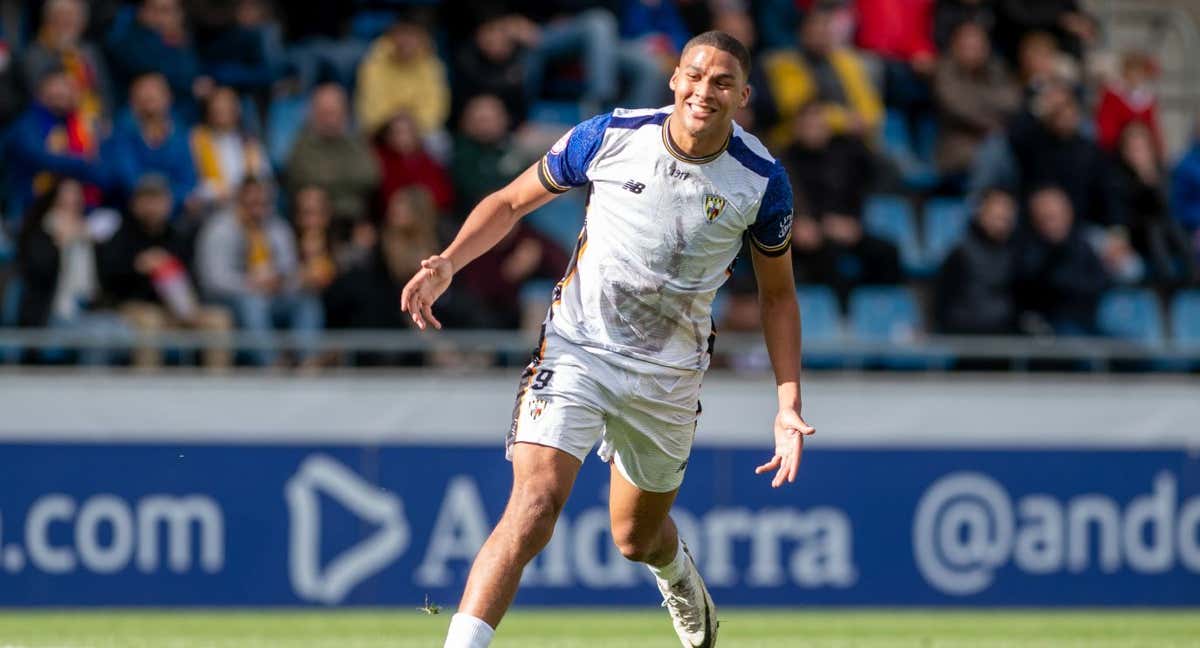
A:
(790, 431)
(424, 288)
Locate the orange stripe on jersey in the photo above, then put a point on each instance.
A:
(573, 266)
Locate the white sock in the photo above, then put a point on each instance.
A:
(674, 570)
(468, 632)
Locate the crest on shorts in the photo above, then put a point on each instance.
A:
(713, 205)
(536, 407)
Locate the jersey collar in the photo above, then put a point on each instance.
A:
(684, 157)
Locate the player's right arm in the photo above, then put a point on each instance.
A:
(563, 167)
(486, 225)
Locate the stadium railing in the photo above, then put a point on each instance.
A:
(513, 347)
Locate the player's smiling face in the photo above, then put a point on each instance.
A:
(709, 87)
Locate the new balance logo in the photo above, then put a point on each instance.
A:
(635, 187)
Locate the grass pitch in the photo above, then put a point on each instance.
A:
(526, 628)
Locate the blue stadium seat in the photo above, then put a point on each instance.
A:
(890, 314)
(1131, 314)
(891, 218)
(884, 314)
(945, 225)
(819, 313)
(901, 149)
(560, 219)
(1185, 319)
(556, 112)
(285, 118)
(821, 321)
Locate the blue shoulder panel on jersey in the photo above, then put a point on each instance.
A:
(748, 158)
(771, 232)
(637, 121)
(565, 165)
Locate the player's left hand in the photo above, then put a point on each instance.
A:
(790, 431)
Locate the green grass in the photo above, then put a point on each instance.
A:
(596, 629)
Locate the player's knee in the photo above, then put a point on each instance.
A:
(634, 546)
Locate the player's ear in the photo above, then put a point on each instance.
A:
(747, 90)
(671, 83)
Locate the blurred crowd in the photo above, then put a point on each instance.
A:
(215, 165)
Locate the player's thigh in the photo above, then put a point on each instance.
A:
(542, 480)
(648, 439)
(561, 401)
(636, 515)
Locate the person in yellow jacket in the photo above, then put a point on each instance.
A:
(402, 71)
(822, 71)
(223, 153)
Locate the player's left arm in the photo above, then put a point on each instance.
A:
(781, 328)
(770, 239)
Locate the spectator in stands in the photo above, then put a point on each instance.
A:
(653, 31)
(734, 19)
(321, 256)
(247, 260)
(12, 91)
(152, 142)
(223, 152)
(1060, 278)
(833, 173)
(975, 285)
(1130, 98)
(495, 278)
(1050, 149)
(320, 43)
(810, 263)
(49, 141)
(328, 155)
(57, 265)
(241, 46)
(900, 32)
(855, 258)
(821, 71)
(975, 97)
(777, 21)
(1065, 19)
(158, 41)
(492, 61)
(1041, 64)
(368, 295)
(403, 162)
(143, 270)
(60, 44)
(588, 30)
(1140, 204)
(1185, 192)
(403, 72)
(948, 15)
(835, 251)
(1121, 261)
(484, 158)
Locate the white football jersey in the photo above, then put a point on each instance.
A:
(661, 232)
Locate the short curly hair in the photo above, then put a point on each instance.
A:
(724, 42)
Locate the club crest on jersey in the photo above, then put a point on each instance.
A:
(536, 407)
(713, 206)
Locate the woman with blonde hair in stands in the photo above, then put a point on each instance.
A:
(224, 154)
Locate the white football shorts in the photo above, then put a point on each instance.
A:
(643, 414)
